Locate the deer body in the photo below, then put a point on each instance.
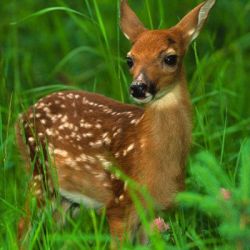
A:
(82, 144)
(82, 134)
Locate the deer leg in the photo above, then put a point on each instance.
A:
(24, 225)
(37, 192)
(60, 214)
(123, 224)
(142, 236)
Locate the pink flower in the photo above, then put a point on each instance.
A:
(226, 194)
(160, 225)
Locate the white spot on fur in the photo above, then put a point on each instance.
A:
(113, 177)
(134, 121)
(91, 159)
(106, 164)
(96, 144)
(130, 148)
(88, 167)
(40, 105)
(64, 118)
(106, 138)
(105, 184)
(43, 121)
(98, 126)
(100, 176)
(38, 177)
(121, 197)
(87, 135)
(49, 132)
(46, 110)
(31, 139)
(71, 162)
(70, 96)
(118, 131)
(85, 125)
(61, 152)
(38, 192)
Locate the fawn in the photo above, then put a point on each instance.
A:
(85, 134)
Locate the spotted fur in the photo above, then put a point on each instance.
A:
(80, 135)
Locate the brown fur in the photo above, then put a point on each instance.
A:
(83, 134)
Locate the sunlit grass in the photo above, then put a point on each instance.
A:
(50, 46)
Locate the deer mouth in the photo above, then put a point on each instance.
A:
(143, 100)
(141, 93)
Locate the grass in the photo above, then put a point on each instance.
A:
(49, 46)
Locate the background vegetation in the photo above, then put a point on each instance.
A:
(59, 44)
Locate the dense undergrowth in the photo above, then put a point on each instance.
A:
(54, 45)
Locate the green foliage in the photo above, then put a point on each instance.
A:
(222, 197)
(47, 46)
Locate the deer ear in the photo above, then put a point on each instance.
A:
(131, 25)
(193, 22)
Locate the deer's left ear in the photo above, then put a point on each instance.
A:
(193, 22)
(131, 25)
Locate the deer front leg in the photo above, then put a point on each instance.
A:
(123, 224)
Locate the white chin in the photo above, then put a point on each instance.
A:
(148, 99)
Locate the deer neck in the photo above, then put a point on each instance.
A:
(164, 140)
(168, 125)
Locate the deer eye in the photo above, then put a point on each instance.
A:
(130, 62)
(170, 60)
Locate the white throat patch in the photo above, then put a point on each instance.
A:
(168, 97)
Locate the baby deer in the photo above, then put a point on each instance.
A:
(84, 134)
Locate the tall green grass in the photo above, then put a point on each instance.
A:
(49, 46)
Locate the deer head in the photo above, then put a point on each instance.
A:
(156, 57)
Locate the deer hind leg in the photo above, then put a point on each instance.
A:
(40, 185)
(41, 188)
(59, 208)
(35, 193)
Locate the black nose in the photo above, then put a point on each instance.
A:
(138, 90)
